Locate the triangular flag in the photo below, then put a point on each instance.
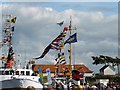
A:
(60, 23)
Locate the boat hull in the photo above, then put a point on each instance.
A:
(21, 84)
(18, 89)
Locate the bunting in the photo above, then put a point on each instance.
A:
(45, 52)
(57, 44)
(10, 54)
(7, 40)
(3, 58)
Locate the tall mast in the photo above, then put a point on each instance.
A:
(70, 49)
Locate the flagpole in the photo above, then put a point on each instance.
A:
(70, 48)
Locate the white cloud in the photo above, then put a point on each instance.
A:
(49, 9)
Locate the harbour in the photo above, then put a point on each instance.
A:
(56, 54)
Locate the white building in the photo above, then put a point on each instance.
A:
(107, 70)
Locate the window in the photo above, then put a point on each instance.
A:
(6, 72)
(11, 72)
(27, 73)
(17, 72)
(3, 72)
(0, 72)
(22, 73)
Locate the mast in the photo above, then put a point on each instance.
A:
(70, 49)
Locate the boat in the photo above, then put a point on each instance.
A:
(13, 77)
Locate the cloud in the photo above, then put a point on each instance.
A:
(36, 27)
(49, 9)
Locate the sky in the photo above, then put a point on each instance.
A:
(36, 27)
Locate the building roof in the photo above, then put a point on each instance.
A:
(80, 67)
(104, 67)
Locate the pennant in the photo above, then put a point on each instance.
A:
(45, 52)
(13, 20)
(60, 23)
(57, 44)
(72, 39)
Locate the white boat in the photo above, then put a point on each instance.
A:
(12, 78)
(19, 79)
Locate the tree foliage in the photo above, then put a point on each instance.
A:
(101, 59)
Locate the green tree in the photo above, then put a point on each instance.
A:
(107, 60)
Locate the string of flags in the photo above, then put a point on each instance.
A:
(8, 32)
(58, 44)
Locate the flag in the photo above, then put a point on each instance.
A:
(75, 28)
(40, 74)
(10, 54)
(49, 79)
(66, 28)
(45, 52)
(60, 23)
(57, 44)
(39, 69)
(76, 75)
(13, 20)
(60, 59)
(72, 39)
(13, 29)
(3, 58)
(60, 37)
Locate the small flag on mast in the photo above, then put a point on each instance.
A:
(72, 39)
(60, 23)
(60, 59)
(13, 20)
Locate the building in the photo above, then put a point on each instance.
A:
(107, 70)
(62, 68)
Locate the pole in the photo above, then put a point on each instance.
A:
(70, 48)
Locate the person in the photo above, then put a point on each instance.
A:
(87, 86)
(94, 87)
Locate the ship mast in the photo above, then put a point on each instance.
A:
(70, 49)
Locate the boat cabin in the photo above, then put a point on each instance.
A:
(26, 72)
